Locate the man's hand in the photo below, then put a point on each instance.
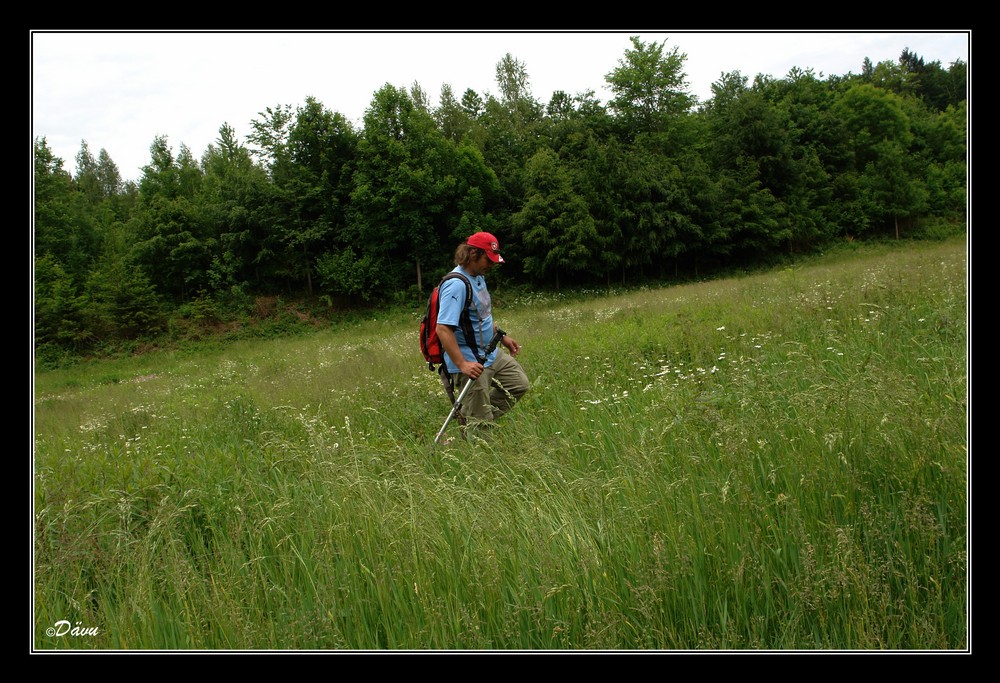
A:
(471, 369)
(511, 344)
(450, 343)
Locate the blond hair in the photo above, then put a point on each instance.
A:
(466, 254)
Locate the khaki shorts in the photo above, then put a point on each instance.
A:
(494, 392)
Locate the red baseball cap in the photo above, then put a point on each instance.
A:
(487, 242)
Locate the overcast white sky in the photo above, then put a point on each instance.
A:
(119, 90)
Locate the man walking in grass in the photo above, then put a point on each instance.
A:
(499, 381)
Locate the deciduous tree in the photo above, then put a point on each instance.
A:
(557, 232)
(650, 88)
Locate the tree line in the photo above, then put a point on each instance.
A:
(651, 184)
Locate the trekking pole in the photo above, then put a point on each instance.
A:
(456, 407)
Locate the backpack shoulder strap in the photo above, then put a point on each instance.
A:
(465, 319)
(468, 285)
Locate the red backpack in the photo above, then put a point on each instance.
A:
(430, 345)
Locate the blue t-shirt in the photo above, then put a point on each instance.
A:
(452, 300)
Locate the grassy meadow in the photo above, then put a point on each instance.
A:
(770, 462)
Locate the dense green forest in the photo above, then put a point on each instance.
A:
(649, 185)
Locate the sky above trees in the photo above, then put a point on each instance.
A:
(119, 91)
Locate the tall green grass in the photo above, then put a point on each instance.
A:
(773, 462)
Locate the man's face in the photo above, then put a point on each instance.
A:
(483, 264)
